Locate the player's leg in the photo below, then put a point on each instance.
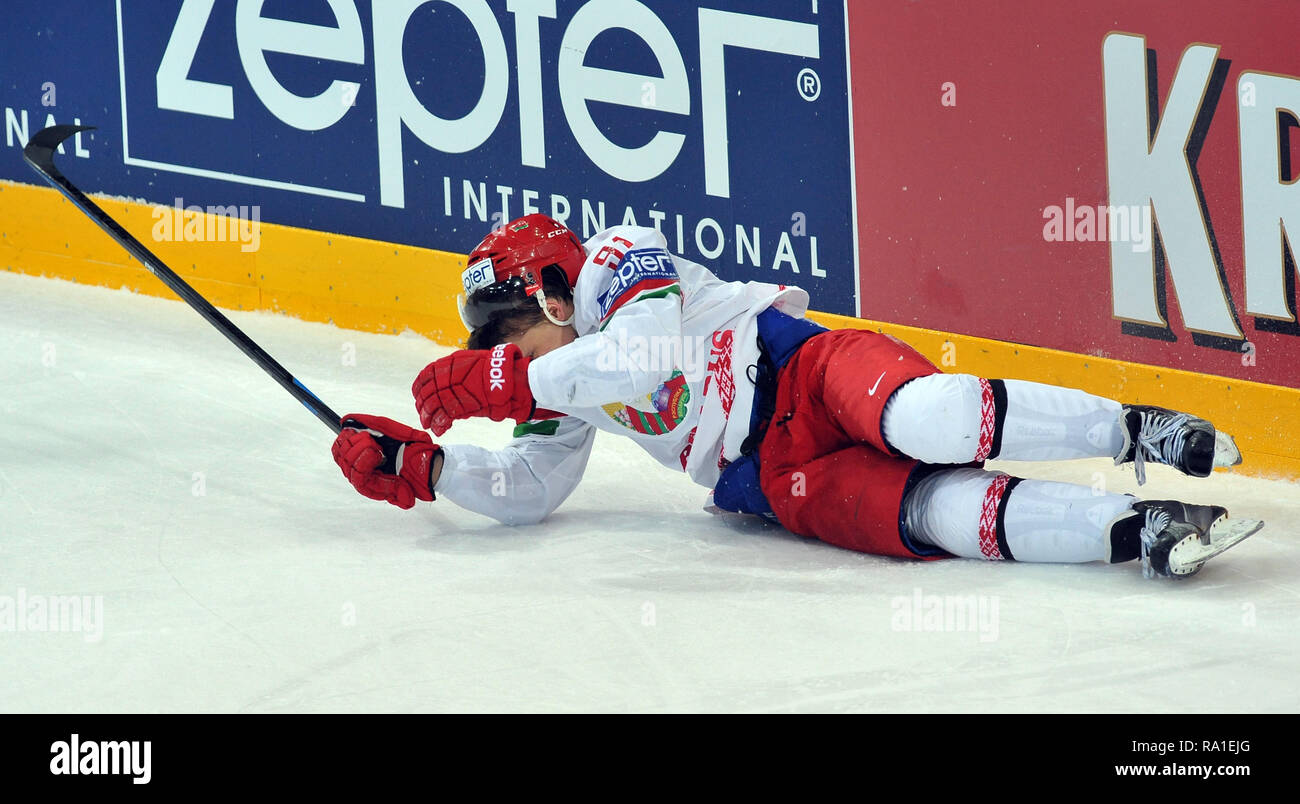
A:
(882, 392)
(850, 498)
(974, 513)
(861, 499)
(915, 410)
(978, 514)
(959, 418)
(823, 482)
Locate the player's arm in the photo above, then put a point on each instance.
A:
(526, 480)
(519, 484)
(640, 316)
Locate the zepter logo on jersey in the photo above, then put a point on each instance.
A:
(639, 270)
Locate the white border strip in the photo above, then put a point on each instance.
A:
(235, 177)
(121, 76)
(853, 170)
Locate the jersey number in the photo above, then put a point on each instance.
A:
(605, 251)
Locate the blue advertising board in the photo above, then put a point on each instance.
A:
(724, 124)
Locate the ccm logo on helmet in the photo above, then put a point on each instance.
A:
(496, 374)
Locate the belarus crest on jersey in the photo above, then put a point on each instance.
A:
(669, 404)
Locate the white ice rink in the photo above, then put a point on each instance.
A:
(147, 464)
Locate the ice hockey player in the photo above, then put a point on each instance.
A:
(848, 436)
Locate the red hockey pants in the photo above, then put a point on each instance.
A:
(824, 465)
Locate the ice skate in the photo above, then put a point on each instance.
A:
(1175, 539)
(1181, 440)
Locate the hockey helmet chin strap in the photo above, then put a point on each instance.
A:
(541, 299)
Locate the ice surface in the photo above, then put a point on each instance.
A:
(145, 461)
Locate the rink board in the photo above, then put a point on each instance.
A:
(426, 124)
(1109, 178)
(381, 287)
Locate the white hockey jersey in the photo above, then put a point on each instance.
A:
(664, 356)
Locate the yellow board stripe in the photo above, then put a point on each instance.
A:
(349, 281)
(374, 286)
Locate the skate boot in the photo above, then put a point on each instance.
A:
(1190, 445)
(1174, 539)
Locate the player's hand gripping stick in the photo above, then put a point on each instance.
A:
(386, 460)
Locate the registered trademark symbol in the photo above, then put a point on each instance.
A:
(810, 86)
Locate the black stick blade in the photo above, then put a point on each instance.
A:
(39, 152)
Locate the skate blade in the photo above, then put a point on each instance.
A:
(1225, 450)
(1191, 553)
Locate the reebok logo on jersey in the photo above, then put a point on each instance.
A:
(496, 371)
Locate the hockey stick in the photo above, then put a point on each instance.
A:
(39, 153)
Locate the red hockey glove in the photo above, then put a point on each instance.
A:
(491, 383)
(385, 460)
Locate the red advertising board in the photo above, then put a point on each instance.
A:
(1109, 178)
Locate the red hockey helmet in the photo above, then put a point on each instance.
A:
(505, 269)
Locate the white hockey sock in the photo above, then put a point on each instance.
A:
(977, 514)
(959, 418)
(1049, 423)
